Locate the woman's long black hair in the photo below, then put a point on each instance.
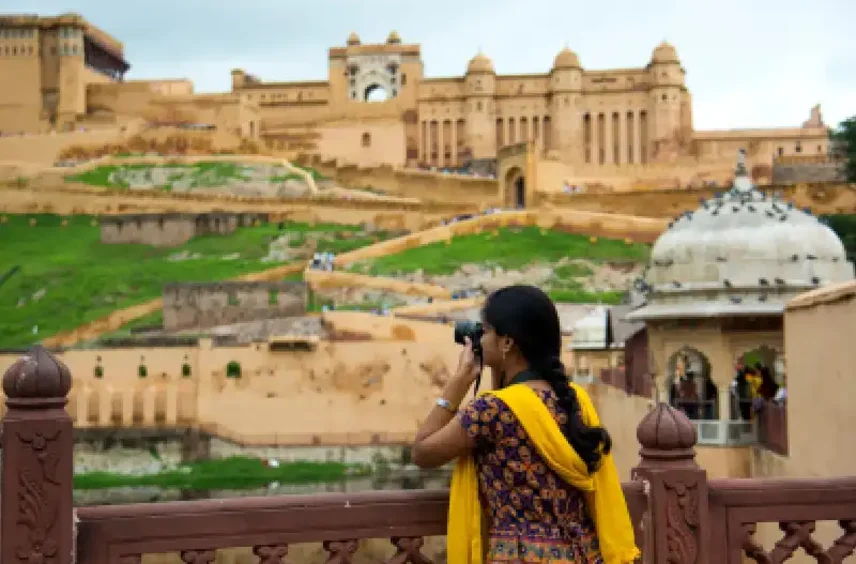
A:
(528, 315)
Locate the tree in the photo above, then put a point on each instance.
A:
(844, 226)
(844, 146)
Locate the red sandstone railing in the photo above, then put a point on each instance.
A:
(680, 516)
(773, 427)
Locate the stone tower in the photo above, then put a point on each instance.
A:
(72, 91)
(480, 120)
(665, 99)
(566, 85)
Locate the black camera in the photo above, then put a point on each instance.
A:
(474, 330)
(471, 329)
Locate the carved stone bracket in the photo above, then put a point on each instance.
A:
(271, 554)
(408, 551)
(341, 551)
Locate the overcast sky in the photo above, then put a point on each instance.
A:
(749, 63)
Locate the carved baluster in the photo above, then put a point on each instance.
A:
(677, 511)
(750, 546)
(341, 551)
(845, 545)
(204, 556)
(408, 551)
(271, 553)
(798, 534)
(36, 505)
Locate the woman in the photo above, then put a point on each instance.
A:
(534, 478)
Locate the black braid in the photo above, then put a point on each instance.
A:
(589, 442)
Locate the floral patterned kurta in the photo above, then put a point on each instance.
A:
(534, 516)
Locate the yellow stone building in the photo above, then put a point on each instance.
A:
(64, 73)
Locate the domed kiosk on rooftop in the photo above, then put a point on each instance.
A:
(566, 59)
(665, 52)
(715, 292)
(480, 64)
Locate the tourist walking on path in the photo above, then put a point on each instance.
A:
(534, 479)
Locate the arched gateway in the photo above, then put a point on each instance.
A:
(515, 188)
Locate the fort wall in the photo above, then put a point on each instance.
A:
(170, 229)
(810, 168)
(119, 318)
(353, 394)
(88, 200)
(409, 183)
(322, 279)
(821, 198)
(44, 149)
(203, 305)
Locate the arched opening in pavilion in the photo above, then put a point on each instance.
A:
(758, 377)
(691, 389)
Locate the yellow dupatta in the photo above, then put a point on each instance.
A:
(601, 490)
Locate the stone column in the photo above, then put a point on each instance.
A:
(36, 505)
(454, 143)
(623, 142)
(595, 139)
(441, 144)
(637, 137)
(676, 521)
(608, 141)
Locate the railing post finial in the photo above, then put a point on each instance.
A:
(676, 486)
(36, 505)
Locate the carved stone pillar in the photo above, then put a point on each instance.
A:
(676, 519)
(36, 506)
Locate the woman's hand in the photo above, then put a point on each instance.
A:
(469, 365)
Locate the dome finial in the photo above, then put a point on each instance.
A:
(741, 164)
(742, 182)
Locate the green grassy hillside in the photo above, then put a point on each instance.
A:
(571, 257)
(201, 174)
(66, 277)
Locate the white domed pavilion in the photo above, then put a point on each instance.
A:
(717, 284)
(740, 254)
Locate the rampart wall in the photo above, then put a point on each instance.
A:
(81, 199)
(339, 394)
(409, 183)
(118, 318)
(171, 229)
(789, 171)
(820, 197)
(203, 305)
(322, 279)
